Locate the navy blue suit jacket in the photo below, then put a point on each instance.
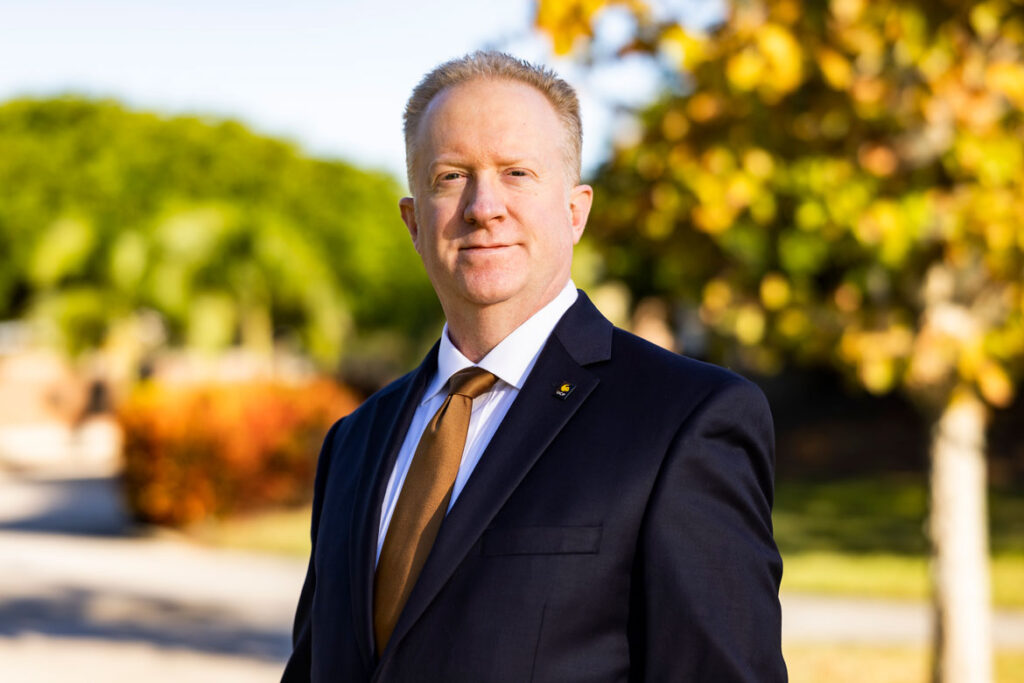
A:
(621, 532)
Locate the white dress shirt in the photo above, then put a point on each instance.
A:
(510, 361)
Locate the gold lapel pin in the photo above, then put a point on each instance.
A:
(564, 389)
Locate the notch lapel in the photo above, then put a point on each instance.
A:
(390, 422)
(537, 415)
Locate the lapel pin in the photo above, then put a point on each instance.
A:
(564, 389)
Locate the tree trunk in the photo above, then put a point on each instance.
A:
(959, 533)
(257, 329)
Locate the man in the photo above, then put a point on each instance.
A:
(581, 506)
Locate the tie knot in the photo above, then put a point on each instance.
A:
(471, 382)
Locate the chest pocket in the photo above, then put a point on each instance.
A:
(542, 540)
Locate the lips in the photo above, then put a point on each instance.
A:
(484, 247)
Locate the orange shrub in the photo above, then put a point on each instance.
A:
(197, 451)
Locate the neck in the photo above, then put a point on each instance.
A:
(474, 331)
(475, 334)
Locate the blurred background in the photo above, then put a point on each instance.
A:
(202, 266)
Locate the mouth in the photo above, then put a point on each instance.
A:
(484, 248)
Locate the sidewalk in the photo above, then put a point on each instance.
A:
(83, 598)
(141, 609)
(867, 621)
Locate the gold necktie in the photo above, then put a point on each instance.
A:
(423, 502)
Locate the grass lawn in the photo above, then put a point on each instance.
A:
(886, 575)
(283, 531)
(851, 537)
(858, 663)
(867, 537)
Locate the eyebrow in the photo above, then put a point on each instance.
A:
(459, 163)
(432, 166)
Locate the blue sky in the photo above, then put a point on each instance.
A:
(332, 76)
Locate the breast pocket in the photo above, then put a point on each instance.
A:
(542, 540)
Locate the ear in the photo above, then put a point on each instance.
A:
(580, 199)
(407, 205)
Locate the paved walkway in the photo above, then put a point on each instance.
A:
(141, 609)
(84, 597)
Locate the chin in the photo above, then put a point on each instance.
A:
(488, 297)
(489, 291)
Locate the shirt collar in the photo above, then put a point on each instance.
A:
(514, 356)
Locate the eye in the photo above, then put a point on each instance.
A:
(517, 172)
(450, 175)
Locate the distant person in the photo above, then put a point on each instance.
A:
(546, 497)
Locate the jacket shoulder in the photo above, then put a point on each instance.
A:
(654, 378)
(652, 362)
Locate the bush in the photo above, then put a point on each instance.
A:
(192, 452)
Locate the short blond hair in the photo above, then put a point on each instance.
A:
(496, 65)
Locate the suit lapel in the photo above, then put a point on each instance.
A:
(535, 418)
(390, 422)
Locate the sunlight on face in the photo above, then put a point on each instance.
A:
(494, 218)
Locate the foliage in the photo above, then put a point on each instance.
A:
(192, 452)
(841, 182)
(106, 212)
(837, 182)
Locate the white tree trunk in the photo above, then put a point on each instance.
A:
(959, 532)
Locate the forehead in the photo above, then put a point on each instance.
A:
(489, 115)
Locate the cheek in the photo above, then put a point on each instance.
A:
(427, 222)
(435, 241)
(419, 238)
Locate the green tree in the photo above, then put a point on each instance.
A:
(841, 182)
(230, 236)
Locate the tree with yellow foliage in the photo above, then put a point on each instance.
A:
(842, 182)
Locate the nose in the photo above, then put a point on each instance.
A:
(484, 202)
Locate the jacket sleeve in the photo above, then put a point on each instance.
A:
(705, 594)
(298, 666)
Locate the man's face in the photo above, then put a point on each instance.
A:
(494, 217)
